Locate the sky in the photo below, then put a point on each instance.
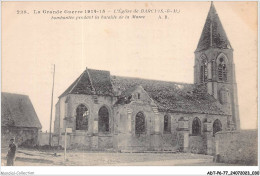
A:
(151, 48)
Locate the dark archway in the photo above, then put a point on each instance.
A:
(217, 126)
(82, 117)
(103, 119)
(139, 123)
(167, 124)
(196, 126)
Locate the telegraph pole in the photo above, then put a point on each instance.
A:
(51, 103)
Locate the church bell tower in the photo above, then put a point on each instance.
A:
(214, 66)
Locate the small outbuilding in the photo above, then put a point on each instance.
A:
(19, 120)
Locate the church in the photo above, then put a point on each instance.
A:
(124, 114)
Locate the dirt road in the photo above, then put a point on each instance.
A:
(25, 157)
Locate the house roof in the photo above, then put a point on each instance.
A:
(213, 34)
(91, 82)
(17, 110)
(172, 96)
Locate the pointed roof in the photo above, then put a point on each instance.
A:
(91, 82)
(213, 34)
(17, 110)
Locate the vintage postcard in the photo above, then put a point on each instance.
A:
(129, 84)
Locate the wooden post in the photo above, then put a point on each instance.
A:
(51, 104)
(65, 145)
(67, 130)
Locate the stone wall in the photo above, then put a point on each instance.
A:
(23, 136)
(105, 142)
(67, 110)
(237, 147)
(197, 144)
(43, 138)
(170, 141)
(122, 136)
(91, 138)
(77, 141)
(153, 138)
(83, 141)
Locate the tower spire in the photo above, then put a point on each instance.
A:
(213, 33)
(214, 67)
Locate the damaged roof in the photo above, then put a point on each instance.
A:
(17, 110)
(173, 97)
(91, 82)
(168, 96)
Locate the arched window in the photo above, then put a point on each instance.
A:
(167, 124)
(196, 126)
(82, 114)
(103, 119)
(217, 126)
(222, 70)
(139, 123)
(204, 70)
